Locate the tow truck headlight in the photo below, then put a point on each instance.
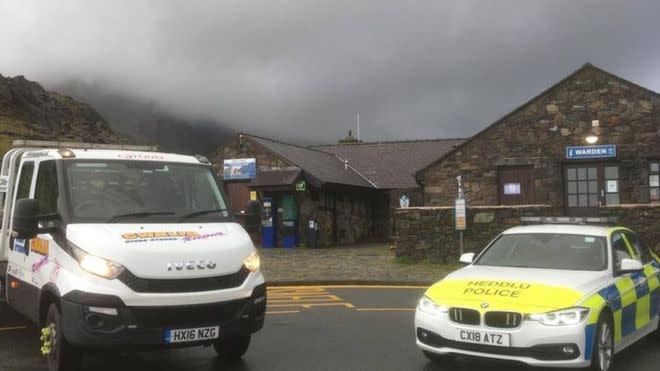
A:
(564, 317)
(428, 306)
(252, 262)
(96, 265)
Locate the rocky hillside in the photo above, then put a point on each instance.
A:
(28, 111)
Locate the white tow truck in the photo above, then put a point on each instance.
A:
(121, 247)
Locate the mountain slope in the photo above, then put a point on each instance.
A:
(28, 111)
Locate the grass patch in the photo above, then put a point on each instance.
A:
(404, 260)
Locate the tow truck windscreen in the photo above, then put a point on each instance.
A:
(140, 191)
(547, 251)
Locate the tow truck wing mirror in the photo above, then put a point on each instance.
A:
(630, 266)
(25, 223)
(467, 258)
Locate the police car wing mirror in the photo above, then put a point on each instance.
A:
(630, 266)
(467, 258)
(25, 224)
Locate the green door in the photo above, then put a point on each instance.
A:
(290, 211)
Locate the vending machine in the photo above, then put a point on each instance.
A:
(268, 223)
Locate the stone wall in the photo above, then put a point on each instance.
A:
(537, 133)
(428, 232)
(643, 219)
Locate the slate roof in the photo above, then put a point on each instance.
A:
(381, 165)
(323, 167)
(280, 177)
(392, 165)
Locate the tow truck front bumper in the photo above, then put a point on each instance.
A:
(532, 343)
(142, 327)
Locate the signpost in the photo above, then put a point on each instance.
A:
(587, 152)
(460, 214)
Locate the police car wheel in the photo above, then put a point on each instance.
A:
(232, 347)
(603, 353)
(62, 356)
(438, 358)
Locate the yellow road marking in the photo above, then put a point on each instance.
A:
(385, 309)
(283, 312)
(13, 328)
(310, 305)
(314, 301)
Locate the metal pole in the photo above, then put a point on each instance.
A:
(460, 242)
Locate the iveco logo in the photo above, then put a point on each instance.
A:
(484, 305)
(191, 265)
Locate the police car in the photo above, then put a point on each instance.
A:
(557, 295)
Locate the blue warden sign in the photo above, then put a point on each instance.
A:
(585, 152)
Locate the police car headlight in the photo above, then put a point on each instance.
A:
(96, 265)
(252, 262)
(428, 306)
(564, 317)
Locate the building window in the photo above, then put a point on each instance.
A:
(654, 181)
(612, 185)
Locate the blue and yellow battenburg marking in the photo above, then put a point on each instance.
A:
(633, 300)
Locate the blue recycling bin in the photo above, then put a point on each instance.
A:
(289, 237)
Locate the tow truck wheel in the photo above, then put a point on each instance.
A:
(602, 357)
(60, 355)
(232, 347)
(438, 358)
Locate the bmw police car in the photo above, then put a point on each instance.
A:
(545, 295)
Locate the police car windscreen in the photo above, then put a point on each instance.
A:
(132, 191)
(547, 251)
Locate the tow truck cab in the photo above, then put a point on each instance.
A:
(113, 246)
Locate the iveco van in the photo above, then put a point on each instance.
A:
(116, 247)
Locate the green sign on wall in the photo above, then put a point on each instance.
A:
(301, 186)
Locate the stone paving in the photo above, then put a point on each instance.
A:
(361, 264)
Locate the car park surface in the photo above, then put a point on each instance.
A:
(307, 328)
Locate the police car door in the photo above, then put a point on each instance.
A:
(20, 293)
(629, 315)
(646, 282)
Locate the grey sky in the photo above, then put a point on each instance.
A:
(303, 69)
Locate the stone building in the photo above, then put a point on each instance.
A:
(350, 189)
(590, 141)
(587, 146)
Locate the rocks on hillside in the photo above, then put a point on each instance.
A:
(28, 111)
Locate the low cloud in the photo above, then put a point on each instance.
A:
(303, 69)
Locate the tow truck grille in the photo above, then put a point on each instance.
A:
(148, 285)
(503, 319)
(465, 316)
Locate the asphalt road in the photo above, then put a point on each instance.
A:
(307, 328)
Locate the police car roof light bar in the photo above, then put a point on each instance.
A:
(80, 145)
(567, 220)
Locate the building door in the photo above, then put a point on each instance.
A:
(516, 185)
(238, 194)
(590, 186)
